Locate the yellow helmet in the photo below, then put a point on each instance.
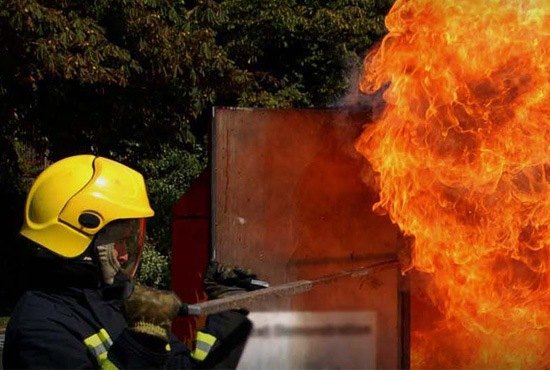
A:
(74, 198)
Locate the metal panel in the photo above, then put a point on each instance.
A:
(288, 202)
(190, 241)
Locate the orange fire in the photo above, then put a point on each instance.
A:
(462, 157)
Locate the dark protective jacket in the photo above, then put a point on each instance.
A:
(82, 328)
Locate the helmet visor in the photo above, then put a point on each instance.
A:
(129, 249)
(128, 237)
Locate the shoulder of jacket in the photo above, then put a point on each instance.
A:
(36, 305)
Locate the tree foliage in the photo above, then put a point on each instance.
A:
(136, 80)
(110, 76)
(299, 52)
(153, 268)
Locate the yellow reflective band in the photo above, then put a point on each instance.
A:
(108, 365)
(99, 345)
(203, 345)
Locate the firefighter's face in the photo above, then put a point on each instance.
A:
(119, 246)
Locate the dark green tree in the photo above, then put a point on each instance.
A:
(300, 53)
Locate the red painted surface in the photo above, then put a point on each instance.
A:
(190, 241)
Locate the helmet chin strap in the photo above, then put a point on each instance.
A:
(108, 262)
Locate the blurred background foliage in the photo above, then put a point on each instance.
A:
(135, 80)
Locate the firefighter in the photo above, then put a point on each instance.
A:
(86, 218)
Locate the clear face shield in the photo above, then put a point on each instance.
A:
(120, 246)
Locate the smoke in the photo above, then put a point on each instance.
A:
(354, 98)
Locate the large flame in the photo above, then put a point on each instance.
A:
(462, 154)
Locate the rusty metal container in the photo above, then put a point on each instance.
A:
(286, 199)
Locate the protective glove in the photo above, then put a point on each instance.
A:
(151, 311)
(108, 262)
(223, 280)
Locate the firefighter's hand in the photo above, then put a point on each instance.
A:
(151, 311)
(223, 280)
